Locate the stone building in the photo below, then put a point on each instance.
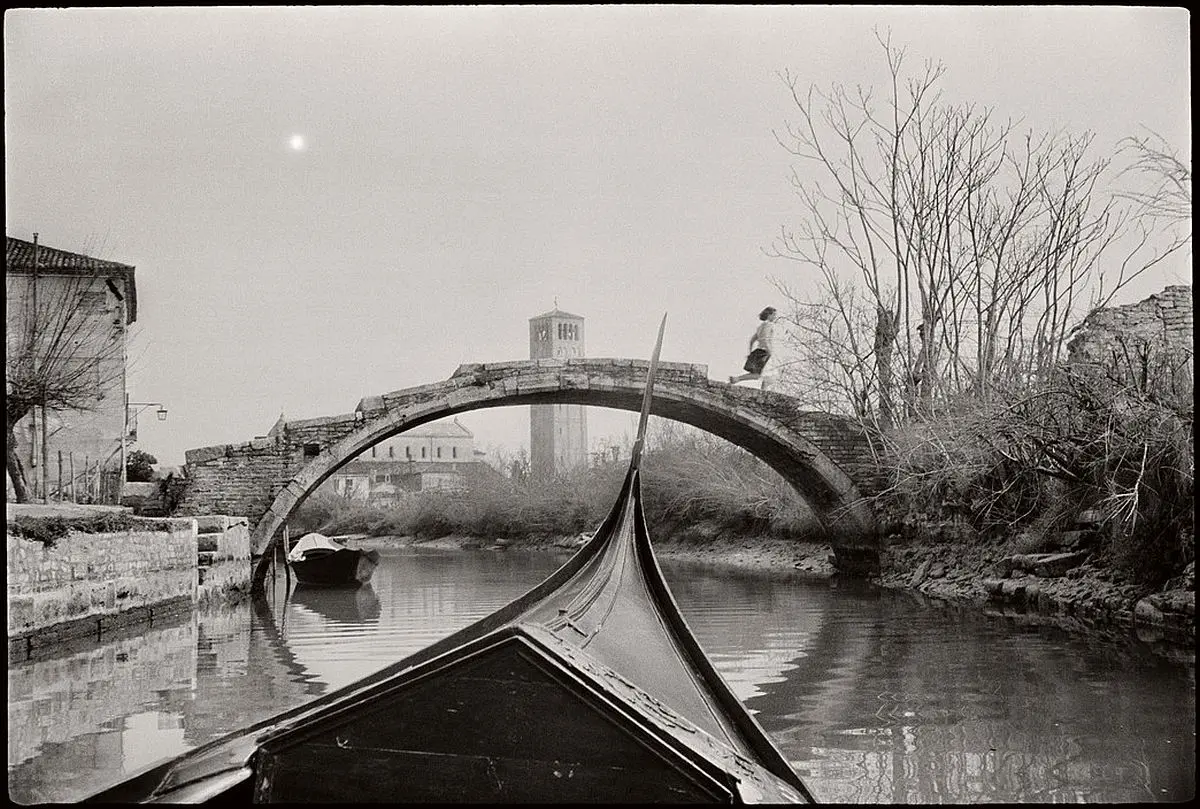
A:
(558, 440)
(440, 455)
(89, 440)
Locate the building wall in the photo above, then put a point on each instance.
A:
(558, 439)
(398, 466)
(89, 437)
(386, 483)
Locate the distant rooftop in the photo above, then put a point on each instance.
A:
(18, 258)
(556, 312)
(438, 429)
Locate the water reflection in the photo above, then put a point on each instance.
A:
(887, 697)
(339, 605)
(876, 696)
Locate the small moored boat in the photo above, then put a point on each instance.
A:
(588, 688)
(319, 561)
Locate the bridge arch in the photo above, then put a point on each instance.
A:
(826, 458)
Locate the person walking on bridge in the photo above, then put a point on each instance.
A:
(761, 347)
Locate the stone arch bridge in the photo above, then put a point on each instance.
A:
(827, 458)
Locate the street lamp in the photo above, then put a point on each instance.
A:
(132, 409)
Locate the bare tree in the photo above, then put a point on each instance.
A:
(1169, 196)
(952, 254)
(63, 350)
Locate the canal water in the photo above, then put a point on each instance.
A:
(875, 696)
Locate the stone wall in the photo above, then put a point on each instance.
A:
(223, 556)
(84, 575)
(86, 584)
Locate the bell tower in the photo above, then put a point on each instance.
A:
(557, 433)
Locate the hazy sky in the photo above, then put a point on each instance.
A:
(461, 169)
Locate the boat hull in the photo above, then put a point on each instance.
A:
(348, 567)
(515, 717)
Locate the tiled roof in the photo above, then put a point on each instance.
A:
(556, 312)
(437, 429)
(18, 258)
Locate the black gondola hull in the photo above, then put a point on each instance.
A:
(517, 716)
(348, 567)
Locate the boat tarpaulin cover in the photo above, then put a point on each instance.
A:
(312, 542)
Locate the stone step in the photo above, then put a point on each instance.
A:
(1045, 565)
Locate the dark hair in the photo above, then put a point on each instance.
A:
(766, 313)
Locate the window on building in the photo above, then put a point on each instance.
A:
(391, 452)
(372, 452)
(379, 478)
(312, 450)
(439, 452)
(408, 452)
(453, 452)
(422, 452)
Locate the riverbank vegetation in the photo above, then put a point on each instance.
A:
(694, 486)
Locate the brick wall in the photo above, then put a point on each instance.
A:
(238, 478)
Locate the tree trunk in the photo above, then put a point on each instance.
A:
(886, 325)
(16, 471)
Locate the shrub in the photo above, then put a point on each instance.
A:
(139, 467)
(1029, 459)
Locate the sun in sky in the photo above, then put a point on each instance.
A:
(297, 143)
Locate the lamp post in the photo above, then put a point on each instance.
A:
(132, 409)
